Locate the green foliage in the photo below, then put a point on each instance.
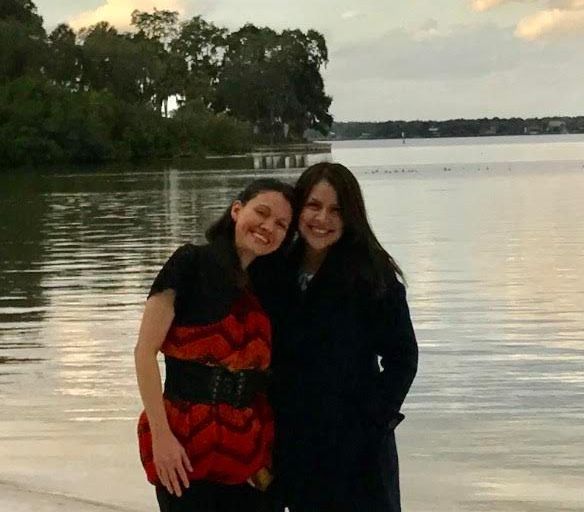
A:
(100, 94)
(42, 123)
(23, 12)
(22, 50)
(65, 63)
(200, 45)
(199, 130)
(161, 26)
(272, 80)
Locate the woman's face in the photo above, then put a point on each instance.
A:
(320, 222)
(261, 224)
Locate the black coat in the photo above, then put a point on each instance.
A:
(335, 410)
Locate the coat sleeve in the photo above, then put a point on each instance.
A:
(395, 342)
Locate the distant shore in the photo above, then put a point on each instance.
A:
(483, 127)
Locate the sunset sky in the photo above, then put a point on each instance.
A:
(414, 59)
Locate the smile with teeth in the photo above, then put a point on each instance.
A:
(320, 231)
(260, 238)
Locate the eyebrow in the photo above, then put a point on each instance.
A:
(283, 219)
(312, 199)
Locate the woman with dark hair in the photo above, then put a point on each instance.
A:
(205, 441)
(339, 307)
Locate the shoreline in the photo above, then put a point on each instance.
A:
(18, 498)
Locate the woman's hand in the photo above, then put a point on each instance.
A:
(171, 462)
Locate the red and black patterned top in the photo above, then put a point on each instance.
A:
(216, 324)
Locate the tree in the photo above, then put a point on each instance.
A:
(156, 33)
(22, 39)
(64, 65)
(273, 80)
(162, 26)
(22, 11)
(128, 66)
(201, 45)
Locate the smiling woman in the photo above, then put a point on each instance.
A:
(261, 225)
(205, 441)
(338, 306)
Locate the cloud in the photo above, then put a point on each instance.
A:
(560, 18)
(118, 12)
(428, 53)
(551, 22)
(347, 15)
(484, 5)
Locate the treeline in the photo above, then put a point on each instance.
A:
(456, 128)
(98, 94)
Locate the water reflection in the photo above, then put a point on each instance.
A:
(23, 304)
(494, 263)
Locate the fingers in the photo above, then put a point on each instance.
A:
(172, 464)
(186, 461)
(175, 474)
(162, 475)
(182, 469)
(175, 484)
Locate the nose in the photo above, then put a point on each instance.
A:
(268, 225)
(321, 215)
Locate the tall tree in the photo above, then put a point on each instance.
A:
(64, 65)
(129, 66)
(22, 39)
(158, 25)
(22, 11)
(273, 80)
(201, 45)
(156, 32)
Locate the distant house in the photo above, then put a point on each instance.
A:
(556, 126)
(534, 128)
(434, 131)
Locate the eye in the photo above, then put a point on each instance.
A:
(282, 224)
(312, 205)
(262, 211)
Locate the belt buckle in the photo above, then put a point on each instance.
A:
(228, 387)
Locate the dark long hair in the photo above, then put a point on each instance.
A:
(224, 227)
(362, 257)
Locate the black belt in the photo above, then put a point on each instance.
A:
(199, 383)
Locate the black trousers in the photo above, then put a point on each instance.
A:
(202, 496)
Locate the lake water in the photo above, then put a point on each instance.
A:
(490, 233)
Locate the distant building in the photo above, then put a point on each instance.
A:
(534, 128)
(434, 131)
(556, 126)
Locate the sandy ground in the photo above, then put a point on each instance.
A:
(16, 499)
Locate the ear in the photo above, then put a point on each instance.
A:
(235, 209)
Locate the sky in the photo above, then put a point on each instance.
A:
(408, 59)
